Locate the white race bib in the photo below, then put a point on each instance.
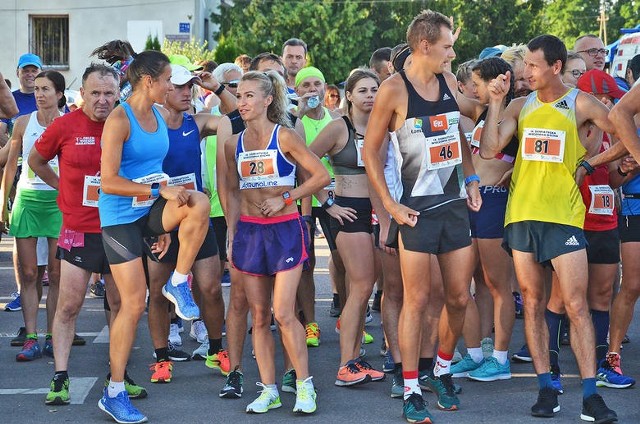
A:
(91, 191)
(543, 145)
(601, 200)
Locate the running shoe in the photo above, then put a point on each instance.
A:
(219, 361)
(442, 386)
(338, 326)
(174, 335)
(522, 355)
(133, 390)
(198, 331)
(595, 410)
(226, 278)
(97, 289)
(161, 372)
(120, 408)
(368, 317)
(547, 405)
(313, 334)
(487, 347)
(58, 391)
(175, 354)
(377, 300)
(48, 347)
(20, 338)
(517, 299)
(15, 304)
(305, 397)
(233, 386)
(268, 399)
(30, 351)
(78, 341)
(457, 357)
(45, 279)
(555, 381)
(335, 310)
(462, 368)
(491, 370)
(365, 367)
(414, 409)
(350, 374)
(289, 381)
(610, 375)
(181, 297)
(397, 384)
(200, 354)
(367, 338)
(388, 365)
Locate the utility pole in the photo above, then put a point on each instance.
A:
(603, 18)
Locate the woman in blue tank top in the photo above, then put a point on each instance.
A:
(138, 208)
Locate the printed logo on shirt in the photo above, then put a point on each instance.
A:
(289, 260)
(85, 141)
(445, 97)
(439, 123)
(562, 105)
(417, 123)
(572, 241)
(184, 134)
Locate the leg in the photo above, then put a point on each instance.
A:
(236, 318)
(53, 269)
(158, 317)
(623, 304)
(258, 291)
(391, 302)
(26, 248)
(206, 274)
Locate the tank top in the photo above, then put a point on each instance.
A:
(142, 156)
(348, 161)
(430, 150)
(264, 168)
(630, 203)
(543, 185)
(28, 179)
(598, 197)
(183, 156)
(508, 154)
(312, 128)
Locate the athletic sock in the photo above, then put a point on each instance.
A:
(601, 325)
(544, 380)
(61, 375)
(442, 363)
(476, 354)
(33, 336)
(114, 388)
(588, 387)
(336, 300)
(273, 387)
(177, 278)
(554, 324)
(501, 356)
(162, 354)
(215, 346)
(425, 364)
(411, 384)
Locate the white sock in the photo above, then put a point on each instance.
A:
(500, 355)
(443, 366)
(411, 385)
(114, 388)
(274, 389)
(476, 354)
(177, 278)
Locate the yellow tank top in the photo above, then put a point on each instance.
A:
(543, 185)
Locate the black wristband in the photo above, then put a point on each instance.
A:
(219, 90)
(624, 174)
(586, 165)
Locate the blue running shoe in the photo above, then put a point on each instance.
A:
(120, 408)
(181, 297)
(48, 347)
(415, 409)
(30, 351)
(15, 304)
(555, 381)
(522, 355)
(462, 368)
(610, 375)
(388, 366)
(491, 370)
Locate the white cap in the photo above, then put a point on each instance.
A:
(181, 75)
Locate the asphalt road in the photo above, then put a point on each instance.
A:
(192, 396)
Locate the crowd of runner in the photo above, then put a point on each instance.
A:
(507, 190)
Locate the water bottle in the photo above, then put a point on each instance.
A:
(313, 102)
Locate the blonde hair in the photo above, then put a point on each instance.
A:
(426, 26)
(514, 54)
(272, 84)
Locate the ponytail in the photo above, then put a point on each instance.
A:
(272, 84)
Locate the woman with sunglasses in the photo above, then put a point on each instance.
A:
(332, 97)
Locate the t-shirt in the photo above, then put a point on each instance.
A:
(598, 197)
(75, 139)
(26, 103)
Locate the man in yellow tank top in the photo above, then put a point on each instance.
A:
(545, 213)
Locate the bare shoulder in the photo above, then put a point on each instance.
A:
(289, 135)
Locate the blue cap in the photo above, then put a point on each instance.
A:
(490, 52)
(29, 59)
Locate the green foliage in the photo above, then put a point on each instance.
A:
(152, 43)
(194, 50)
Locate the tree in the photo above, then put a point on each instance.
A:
(194, 50)
(152, 43)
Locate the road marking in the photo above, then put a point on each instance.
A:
(103, 336)
(79, 388)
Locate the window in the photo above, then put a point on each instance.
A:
(50, 40)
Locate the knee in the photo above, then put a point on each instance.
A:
(134, 308)
(284, 319)
(577, 307)
(28, 275)
(67, 310)
(630, 289)
(261, 317)
(457, 301)
(199, 205)
(212, 292)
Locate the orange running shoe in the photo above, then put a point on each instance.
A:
(219, 361)
(161, 372)
(365, 367)
(350, 375)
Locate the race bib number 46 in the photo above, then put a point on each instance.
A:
(543, 145)
(443, 151)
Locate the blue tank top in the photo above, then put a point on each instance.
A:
(264, 168)
(184, 155)
(630, 204)
(142, 155)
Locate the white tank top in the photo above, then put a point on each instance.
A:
(28, 179)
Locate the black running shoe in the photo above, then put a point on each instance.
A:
(596, 411)
(547, 404)
(233, 387)
(21, 337)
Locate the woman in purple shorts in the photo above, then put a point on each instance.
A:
(267, 239)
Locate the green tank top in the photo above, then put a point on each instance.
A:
(210, 175)
(312, 128)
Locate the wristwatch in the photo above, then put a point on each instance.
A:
(288, 200)
(155, 189)
(328, 203)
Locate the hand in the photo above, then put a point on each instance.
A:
(505, 180)
(608, 103)
(456, 33)
(162, 245)
(628, 164)
(340, 213)
(303, 107)
(580, 174)
(403, 214)
(271, 206)
(474, 200)
(208, 81)
(4, 227)
(176, 193)
(382, 240)
(499, 86)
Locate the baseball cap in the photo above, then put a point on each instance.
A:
(596, 81)
(29, 59)
(492, 51)
(181, 75)
(308, 72)
(178, 59)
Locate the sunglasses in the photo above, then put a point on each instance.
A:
(334, 96)
(577, 73)
(595, 52)
(232, 84)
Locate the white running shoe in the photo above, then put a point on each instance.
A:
(305, 396)
(174, 335)
(198, 331)
(268, 399)
(200, 354)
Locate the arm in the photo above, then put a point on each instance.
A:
(474, 200)
(495, 136)
(222, 171)
(207, 124)
(8, 107)
(229, 192)
(9, 174)
(227, 100)
(622, 119)
(306, 207)
(470, 108)
(41, 167)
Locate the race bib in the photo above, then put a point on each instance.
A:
(187, 181)
(91, 191)
(601, 200)
(359, 145)
(443, 151)
(147, 200)
(543, 145)
(257, 169)
(476, 133)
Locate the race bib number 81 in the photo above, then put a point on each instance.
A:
(543, 145)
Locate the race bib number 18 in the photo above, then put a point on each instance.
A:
(601, 200)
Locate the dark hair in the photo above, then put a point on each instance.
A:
(114, 51)
(426, 26)
(59, 84)
(102, 69)
(207, 65)
(256, 61)
(331, 88)
(463, 73)
(272, 84)
(489, 68)
(295, 42)
(149, 62)
(355, 76)
(552, 48)
(383, 54)
(634, 65)
(399, 55)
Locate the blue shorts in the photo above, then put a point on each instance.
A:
(488, 222)
(266, 246)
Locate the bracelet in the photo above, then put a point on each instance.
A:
(624, 174)
(586, 165)
(471, 178)
(219, 90)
